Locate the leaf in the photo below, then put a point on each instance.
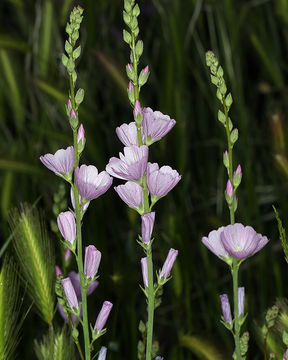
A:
(282, 234)
(201, 347)
(9, 310)
(36, 258)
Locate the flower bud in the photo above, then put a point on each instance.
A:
(147, 226)
(144, 74)
(103, 316)
(81, 139)
(92, 261)
(138, 113)
(67, 255)
(70, 293)
(130, 72)
(237, 176)
(73, 119)
(226, 159)
(226, 310)
(102, 353)
(144, 271)
(131, 92)
(79, 96)
(58, 271)
(139, 48)
(229, 190)
(67, 226)
(234, 136)
(168, 264)
(241, 301)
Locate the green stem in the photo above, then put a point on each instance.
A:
(235, 268)
(151, 296)
(230, 168)
(79, 257)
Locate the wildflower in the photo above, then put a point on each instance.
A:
(132, 165)
(226, 310)
(103, 316)
(161, 181)
(147, 226)
(241, 242)
(67, 226)
(84, 207)
(92, 261)
(144, 270)
(213, 243)
(91, 184)
(61, 163)
(234, 240)
(241, 300)
(156, 125)
(131, 193)
(127, 134)
(81, 135)
(70, 293)
(168, 264)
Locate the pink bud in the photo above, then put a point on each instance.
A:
(168, 264)
(69, 104)
(58, 271)
(103, 316)
(226, 155)
(144, 268)
(72, 114)
(146, 70)
(137, 109)
(229, 189)
(129, 66)
(238, 171)
(131, 87)
(67, 254)
(81, 135)
(70, 293)
(92, 261)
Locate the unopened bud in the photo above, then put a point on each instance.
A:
(237, 176)
(138, 113)
(143, 77)
(139, 48)
(226, 159)
(73, 119)
(131, 92)
(79, 96)
(130, 72)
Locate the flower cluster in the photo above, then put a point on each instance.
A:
(132, 165)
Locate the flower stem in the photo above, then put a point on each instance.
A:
(230, 168)
(235, 268)
(79, 257)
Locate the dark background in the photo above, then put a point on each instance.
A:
(250, 40)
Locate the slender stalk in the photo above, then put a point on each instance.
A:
(230, 169)
(76, 341)
(79, 257)
(235, 268)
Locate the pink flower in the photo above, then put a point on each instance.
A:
(103, 316)
(213, 243)
(241, 242)
(131, 193)
(156, 125)
(131, 166)
(144, 270)
(234, 240)
(91, 184)
(92, 261)
(67, 226)
(161, 181)
(147, 226)
(70, 293)
(61, 163)
(127, 134)
(168, 264)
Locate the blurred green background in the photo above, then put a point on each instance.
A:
(250, 39)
